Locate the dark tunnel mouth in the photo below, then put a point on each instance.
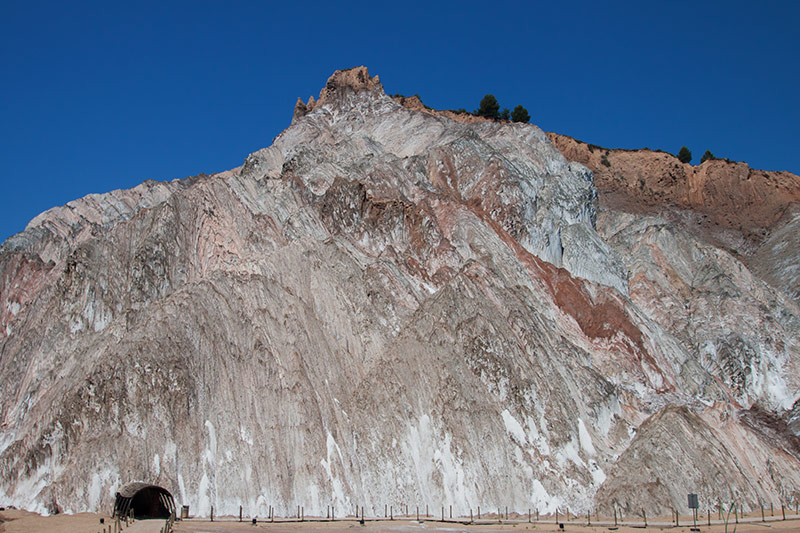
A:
(145, 502)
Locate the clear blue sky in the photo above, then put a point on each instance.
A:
(103, 95)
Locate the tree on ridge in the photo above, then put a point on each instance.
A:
(684, 155)
(708, 156)
(489, 107)
(520, 114)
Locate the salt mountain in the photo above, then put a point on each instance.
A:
(395, 305)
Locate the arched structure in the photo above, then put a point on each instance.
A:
(144, 501)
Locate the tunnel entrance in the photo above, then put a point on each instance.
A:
(144, 501)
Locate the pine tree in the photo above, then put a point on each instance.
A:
(708, 156)
(488, 107)
(684, 155)
(520, 114)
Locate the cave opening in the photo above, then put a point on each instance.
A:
(144, 501)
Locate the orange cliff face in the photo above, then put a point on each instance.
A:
(729, 194)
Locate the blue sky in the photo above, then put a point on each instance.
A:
(97, 96)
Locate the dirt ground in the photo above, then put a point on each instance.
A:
(23, 521)
(399, 526)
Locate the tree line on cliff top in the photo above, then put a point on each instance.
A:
(685, 155)
(489, 107)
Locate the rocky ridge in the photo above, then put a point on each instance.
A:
(726, 194)
(389, 306)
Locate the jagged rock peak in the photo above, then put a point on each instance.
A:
(357, 79)
(300, 108)
(354, 79)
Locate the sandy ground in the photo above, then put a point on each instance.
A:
(25, 522)
(398, 526)
(22, 521)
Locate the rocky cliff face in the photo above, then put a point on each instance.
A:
(389, 305)
(725, 200)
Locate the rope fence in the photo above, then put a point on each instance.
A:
(732, 513)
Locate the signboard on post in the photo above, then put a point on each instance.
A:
(693, 501)
(694, 506)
